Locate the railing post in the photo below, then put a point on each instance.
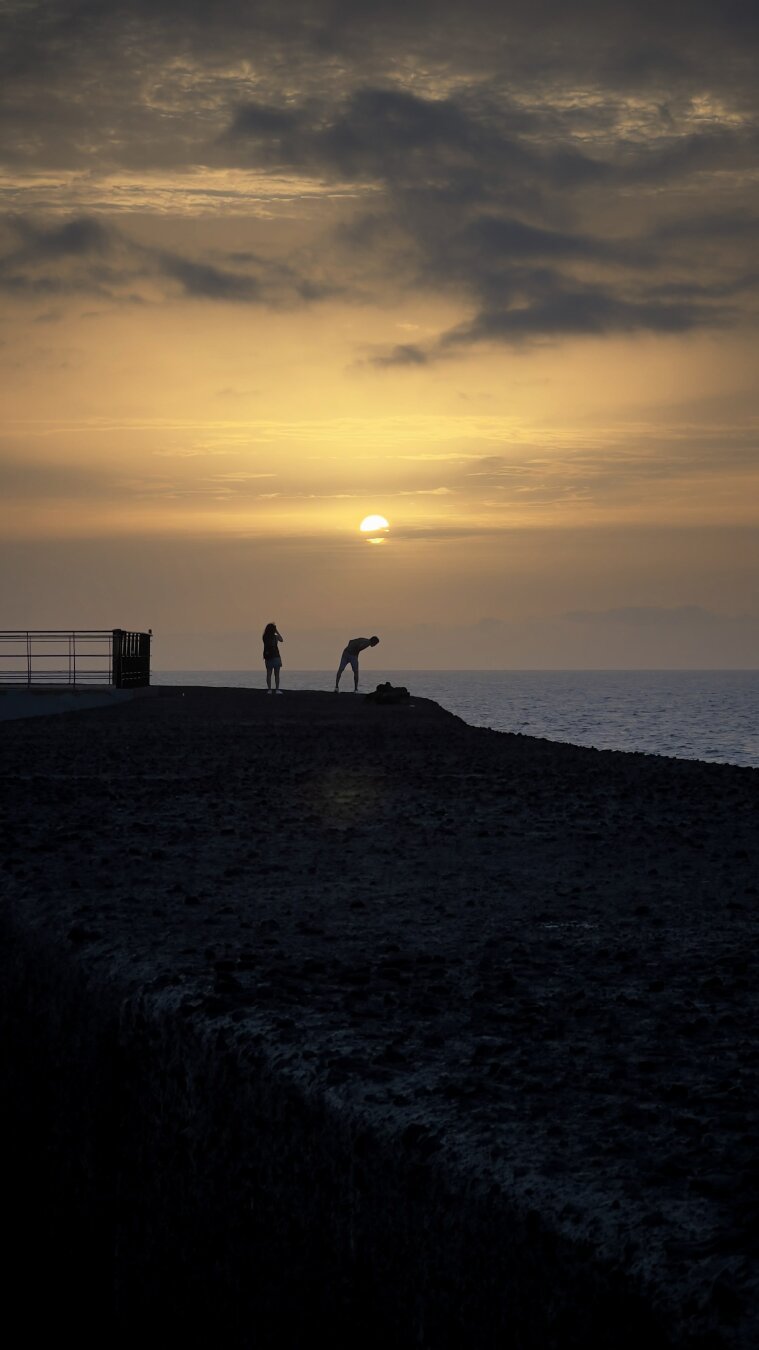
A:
(116, 656)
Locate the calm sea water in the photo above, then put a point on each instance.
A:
(691, 714)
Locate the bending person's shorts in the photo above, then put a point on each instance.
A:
(348, 659)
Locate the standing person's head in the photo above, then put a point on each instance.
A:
(269, 631)
(373, 641)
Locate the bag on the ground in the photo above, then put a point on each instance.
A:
(388, 693)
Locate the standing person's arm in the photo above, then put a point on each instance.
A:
(279, 637)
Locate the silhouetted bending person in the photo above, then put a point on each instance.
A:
(350, 658)
(272, 658)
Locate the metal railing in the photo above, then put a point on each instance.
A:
(75, 657)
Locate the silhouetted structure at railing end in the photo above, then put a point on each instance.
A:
(131, 659)
(75, 657)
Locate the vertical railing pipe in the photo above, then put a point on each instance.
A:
(116, 650)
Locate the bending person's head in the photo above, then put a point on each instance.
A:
(373, 641)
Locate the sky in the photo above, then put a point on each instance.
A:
(488, 270)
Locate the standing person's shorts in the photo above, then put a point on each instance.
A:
(348, 659)
(274, 663)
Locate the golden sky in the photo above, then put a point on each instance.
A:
(489, 271)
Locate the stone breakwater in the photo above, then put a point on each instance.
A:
(328, 1017)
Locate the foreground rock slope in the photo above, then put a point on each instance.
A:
(325, 1014)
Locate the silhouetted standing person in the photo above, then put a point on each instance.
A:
(350, 658)
(272, 658)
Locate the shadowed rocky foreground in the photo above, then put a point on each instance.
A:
(322, 1018)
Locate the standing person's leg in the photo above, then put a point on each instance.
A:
(268, 676)
(277, 668)
(340, 669)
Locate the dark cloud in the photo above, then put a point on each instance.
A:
(258, 120)
(712, 225)
(465, 149)
(32, 249)
(383, 133)
(72, 239)
(716, 150)
(272, 282)
(404, 354)
(82, 255)
(547, 308)
(441, 161)
(587, 311)
(559, 169)
(78, 255)
(503, 237)
(205, 282)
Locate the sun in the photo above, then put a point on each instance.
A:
(374, 525)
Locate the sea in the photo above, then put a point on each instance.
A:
(689, 714)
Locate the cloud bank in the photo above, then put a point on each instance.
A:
(556, 171)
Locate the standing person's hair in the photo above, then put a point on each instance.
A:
(269, 631)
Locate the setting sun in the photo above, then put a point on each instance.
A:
(373, 524)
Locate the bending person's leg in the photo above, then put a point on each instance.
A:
(340, 669)
(354, 663)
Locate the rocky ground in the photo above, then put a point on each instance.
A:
(526, 970)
